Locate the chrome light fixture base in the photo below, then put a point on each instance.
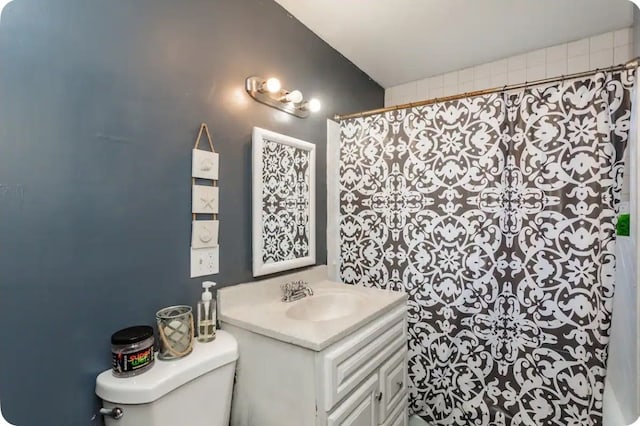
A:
(254, 87)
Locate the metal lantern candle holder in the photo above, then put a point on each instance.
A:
(175, 328)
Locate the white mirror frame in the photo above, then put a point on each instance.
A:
(259, 267)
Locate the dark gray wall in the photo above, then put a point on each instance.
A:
(100, 102)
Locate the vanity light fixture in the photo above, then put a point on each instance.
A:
(270, 92)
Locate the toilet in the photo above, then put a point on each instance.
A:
(195, 390)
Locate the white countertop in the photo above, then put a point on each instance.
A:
(257, 307)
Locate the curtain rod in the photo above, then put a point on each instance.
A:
(634, 63)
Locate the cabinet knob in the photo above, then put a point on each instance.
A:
(400, 385)
(378, 396)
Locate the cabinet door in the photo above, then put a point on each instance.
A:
(346, 364)
(360, 408)
(399, 416)
(393, 382)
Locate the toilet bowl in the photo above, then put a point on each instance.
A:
(195, 390)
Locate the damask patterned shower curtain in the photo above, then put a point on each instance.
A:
(496, 214)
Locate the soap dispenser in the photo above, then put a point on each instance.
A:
(207, 314)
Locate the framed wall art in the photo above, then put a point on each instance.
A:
(284, 198)
(205, 193)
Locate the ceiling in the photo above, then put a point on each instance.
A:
(396, 41)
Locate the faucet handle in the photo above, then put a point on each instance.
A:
(294, 286)
(301, 284)
(295, 290)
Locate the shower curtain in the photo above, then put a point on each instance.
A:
(496, 214)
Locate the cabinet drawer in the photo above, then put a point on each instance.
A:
(359, 409)
(393, 382)
(346, 364)
(399, 415)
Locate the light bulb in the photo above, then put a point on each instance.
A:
(295, 97)
(314, 105)
(272, 85)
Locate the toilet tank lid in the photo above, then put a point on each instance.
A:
(166, 376)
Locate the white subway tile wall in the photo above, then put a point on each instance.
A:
(578, 48)
(518, 62)
(599, 51)
(557, 53)
(538, 57)
(498, 80)
(517, 76)
(422, 88)
(578, 63)
(499, 67)
(465, 75)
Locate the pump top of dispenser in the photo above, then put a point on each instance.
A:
(206, 294)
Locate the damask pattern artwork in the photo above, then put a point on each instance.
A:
(285, 202)
(496, 215)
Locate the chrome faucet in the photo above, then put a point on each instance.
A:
(295, 290)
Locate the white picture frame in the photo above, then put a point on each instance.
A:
(283, 206)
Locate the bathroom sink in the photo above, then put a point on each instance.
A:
(315, 322)
(325, 307)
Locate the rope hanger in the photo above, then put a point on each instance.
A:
(204, 127)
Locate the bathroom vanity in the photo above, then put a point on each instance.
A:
(337, 357)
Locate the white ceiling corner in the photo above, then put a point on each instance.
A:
(396, 41)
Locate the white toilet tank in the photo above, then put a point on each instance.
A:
(195, 390)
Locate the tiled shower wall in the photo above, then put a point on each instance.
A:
(599, 51)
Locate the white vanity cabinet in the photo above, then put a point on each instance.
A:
(359, 380)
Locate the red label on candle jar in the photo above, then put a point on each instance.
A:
(127, 362)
